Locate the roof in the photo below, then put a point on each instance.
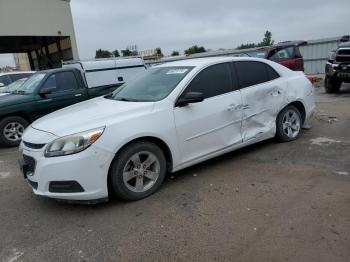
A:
(107, 63)
(17, 72)
(345, 44)
(57, 70)
(203, 61)
(290, 43)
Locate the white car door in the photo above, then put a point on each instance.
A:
(215, 123)
(262, 96)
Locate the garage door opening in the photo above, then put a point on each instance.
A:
(43, 52)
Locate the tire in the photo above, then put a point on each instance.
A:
(11, 130)
(332, 85)
(130, 167)
(288, 124)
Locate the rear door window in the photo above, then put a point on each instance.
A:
(272, 74)
(252, 73)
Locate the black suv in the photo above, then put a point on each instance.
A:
(338, 66)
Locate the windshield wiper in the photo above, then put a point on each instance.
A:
(126, 99)
(123, 99)
(18, 92)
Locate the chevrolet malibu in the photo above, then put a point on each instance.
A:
(174, 116)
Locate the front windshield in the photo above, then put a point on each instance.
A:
(30, 85)
(14, 86)
(154, 85)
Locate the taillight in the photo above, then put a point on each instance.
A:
(311, 79)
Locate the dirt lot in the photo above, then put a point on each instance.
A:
(268, 202)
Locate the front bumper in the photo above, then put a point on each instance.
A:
(81, 176)
(338, 70)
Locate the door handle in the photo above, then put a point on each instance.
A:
(234, 107)
(77, 95)
(231, 107)
(246, 106)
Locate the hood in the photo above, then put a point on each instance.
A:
(346, 44)
(14, 99)
(91, 114)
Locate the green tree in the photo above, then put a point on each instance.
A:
(246, 46)
(159, 52)
(267, 40)
(195, 49)
(128, 52)
(103, 54)
(175, 53)
(116, 53)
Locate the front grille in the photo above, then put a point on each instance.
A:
(343, 55)
(29, 164)
(33, 146)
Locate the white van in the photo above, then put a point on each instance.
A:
(109, 72)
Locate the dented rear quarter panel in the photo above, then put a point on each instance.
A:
(300, 89)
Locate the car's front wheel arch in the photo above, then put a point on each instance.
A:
(154, 140)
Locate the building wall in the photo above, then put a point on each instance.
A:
(316, 53)
(22, 62)
(37, 18)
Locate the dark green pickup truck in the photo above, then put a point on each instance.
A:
(42, 93)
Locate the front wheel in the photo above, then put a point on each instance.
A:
(332, 84)
(288, 124)
(11, 130)
(137, 171)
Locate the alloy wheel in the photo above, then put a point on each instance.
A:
(141, 171)
(13, 131)
(291, 124)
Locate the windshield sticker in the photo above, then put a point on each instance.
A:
(176, 71)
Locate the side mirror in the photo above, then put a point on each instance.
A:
(46, 90)
(2, 84)
(189, 98)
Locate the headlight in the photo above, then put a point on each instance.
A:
(73, 143)
(331, 56)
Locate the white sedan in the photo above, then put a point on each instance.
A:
(174, 116)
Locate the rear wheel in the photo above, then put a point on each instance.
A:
(332, 84)
(288, 124)
(11, 130)
(138, 171)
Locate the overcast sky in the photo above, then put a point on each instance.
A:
(178, 24)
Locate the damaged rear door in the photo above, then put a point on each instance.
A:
(262, 95)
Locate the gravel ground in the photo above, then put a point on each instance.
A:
(267, 202)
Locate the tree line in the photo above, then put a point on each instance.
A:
(266, 41)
